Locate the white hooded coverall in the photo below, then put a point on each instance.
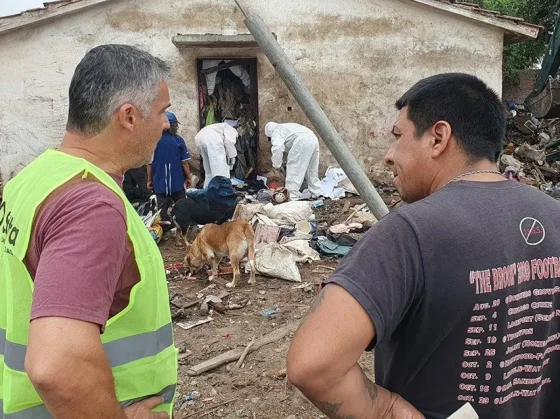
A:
(302, 147)
(216, 145)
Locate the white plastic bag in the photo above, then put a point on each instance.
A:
(302, 251)
(290, 212)
(276, 261)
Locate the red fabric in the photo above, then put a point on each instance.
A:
(79, 255)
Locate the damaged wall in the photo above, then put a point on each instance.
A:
(357, 58)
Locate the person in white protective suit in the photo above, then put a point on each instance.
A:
(302, 163)
(216, 145)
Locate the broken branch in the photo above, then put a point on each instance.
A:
(244, 354)
(234, 354)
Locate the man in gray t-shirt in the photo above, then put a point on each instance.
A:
(458, 292)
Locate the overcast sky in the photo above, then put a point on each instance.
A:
(12, 7)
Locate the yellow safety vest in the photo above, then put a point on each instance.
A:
(138, 341)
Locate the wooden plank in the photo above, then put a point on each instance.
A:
(234, 354)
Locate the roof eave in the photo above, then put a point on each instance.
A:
(513, 32)
(27, 21)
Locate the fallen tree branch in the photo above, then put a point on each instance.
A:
(244, 354)
(234, 354)
(208, 409)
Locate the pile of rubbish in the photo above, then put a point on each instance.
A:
(151, 217)
(288, 233)
(335, 185)
(532, 150)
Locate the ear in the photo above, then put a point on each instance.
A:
(441, 137)
(127, 117)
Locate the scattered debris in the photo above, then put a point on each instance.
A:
(362, 215)
(184, 355)
(531, 154)
(187, 326)
(270, 314)
(345, 228)
(335, 184)
(531, 148)
(192, 396)
(237, 301)
(213, 301)
(204, 412)
(278, 375)
(306, 286)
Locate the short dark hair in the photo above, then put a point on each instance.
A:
(108, 77)
(474, 111)
(174, 128)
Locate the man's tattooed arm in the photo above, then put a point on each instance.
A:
(323, 360)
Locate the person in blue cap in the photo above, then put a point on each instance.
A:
(169, 172)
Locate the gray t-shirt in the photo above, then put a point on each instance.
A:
(464, 290)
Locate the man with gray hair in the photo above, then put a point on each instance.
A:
(85, 326)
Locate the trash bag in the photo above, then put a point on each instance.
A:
(302, 251)
(290, 212)
(277, 261)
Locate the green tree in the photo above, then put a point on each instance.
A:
(521, 56)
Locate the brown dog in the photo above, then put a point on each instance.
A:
(214, 242)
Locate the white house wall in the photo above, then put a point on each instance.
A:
(356, 56)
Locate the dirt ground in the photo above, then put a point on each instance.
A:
(259, 388)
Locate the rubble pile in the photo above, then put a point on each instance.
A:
(531, 152)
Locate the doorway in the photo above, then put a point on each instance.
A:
(228, 92)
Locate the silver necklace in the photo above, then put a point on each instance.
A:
(475, 172)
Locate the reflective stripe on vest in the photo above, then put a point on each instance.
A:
(2, 341)
(41, 412)
(119, 352)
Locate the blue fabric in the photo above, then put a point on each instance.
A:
(167, 169)
(218, 195)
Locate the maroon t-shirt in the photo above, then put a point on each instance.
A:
(79, 255)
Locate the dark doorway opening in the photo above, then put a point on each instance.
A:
(228, 92)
